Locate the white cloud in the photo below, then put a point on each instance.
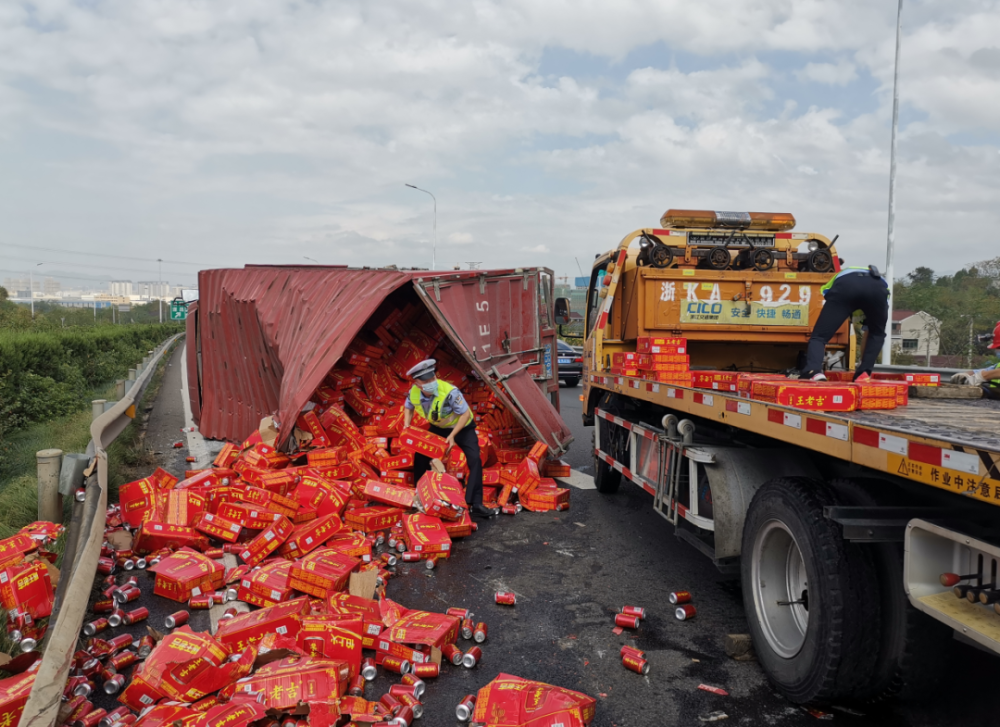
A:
(261, 131)
(832, 74)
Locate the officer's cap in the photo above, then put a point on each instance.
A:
(423, 370)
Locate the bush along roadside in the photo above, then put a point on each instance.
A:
(46, 375)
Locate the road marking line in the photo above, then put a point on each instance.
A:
(196, 445)
(579, 480)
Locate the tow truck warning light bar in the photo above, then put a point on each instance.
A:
(766, 221)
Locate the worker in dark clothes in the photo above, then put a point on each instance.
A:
(445, 408)
(851, 289)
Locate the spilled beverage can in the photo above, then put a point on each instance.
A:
(506, 598)
(679, 597)
(626, 621)
(634, 663)
(685, 612)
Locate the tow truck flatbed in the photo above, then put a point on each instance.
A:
(951, 445)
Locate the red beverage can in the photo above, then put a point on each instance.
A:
(452, 653)
(630, 651)
(398, 690)
(480, 633)
(114, 684)
(81, 710)
(404, 716)
(132, 581)
(95, 627)
(357, 688)
(123, 659)
(200, 603)
(214, 553)
(73, 704)
(626, 621)
(122, 641)
(510, 509)
(368, 669)
(396, 665)
(426, 671)
(127, 594)
(634, 663)
(105, 566)
(390, 703)
(460, 613)
(465, 708)
(230, 613)
(472, 657)
(146, 645)
(91, 719)
(506, 598)
(685, 612)
(105, 605)
(410, 557)
(467, 628)
(635, 611)
(72, 683)
(115, 715)
(135, 616)
(176, 619)
(679, 597)
(412, 680)
(91, 668)
(412, 703)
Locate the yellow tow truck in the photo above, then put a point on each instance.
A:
(842, 526)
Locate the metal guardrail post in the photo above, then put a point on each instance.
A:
(97, 408)
(49, 465)
(129, 381)
(80, 562)
(120, 389)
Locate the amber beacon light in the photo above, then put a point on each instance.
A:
(768, 221)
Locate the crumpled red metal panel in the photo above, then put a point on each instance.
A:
(270, 334)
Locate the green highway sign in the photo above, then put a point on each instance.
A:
(178, 309)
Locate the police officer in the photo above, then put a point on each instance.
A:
(852, 289)
(987, 378)
(445, 408)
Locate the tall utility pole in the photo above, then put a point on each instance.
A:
(891, 239)
(31, 288)
(159, 284)
(434, 248)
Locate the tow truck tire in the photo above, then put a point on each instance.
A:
(914, 648)
(819, 647)
(607, 479)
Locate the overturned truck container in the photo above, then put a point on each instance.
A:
(262, 340)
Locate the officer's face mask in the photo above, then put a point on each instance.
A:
(430, 387)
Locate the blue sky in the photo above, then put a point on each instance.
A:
(262, 131)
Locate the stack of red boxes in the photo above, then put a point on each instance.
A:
(656, 358)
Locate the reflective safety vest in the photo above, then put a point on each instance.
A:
(434, 417)
(852, 270)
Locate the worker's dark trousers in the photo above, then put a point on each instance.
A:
(858, 291)
(468, 442)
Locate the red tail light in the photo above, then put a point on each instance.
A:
(578, 359)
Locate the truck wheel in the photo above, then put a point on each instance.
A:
(803, 593)
(913, 647)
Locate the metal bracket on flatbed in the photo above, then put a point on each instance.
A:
(876, 524)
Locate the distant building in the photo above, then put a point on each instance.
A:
(915, 333)
(121, 287)
(153, 289)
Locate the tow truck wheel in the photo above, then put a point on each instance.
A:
(802, 590)
(914, 648)
(613, 442)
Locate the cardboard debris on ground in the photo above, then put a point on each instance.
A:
(304, 540)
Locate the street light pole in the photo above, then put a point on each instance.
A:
(434, 248)
(891, 239)
(159, 285)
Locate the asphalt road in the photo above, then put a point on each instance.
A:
(572, 571)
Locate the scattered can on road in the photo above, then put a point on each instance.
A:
(506, 598)
(465, 708)
(685, 612)
(679, 597)
(634, 663)
(626, 621)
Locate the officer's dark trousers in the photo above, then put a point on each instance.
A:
(858, 291)
(468, 442)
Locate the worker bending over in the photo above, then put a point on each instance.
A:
(445, 408)
(988, 378)
(852, 289)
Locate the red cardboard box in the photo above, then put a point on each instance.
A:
(545, 498)
(441, 495)
(717, 380)
(310, 535)
(182, 507)
(390, 494)
(354, 607)
(745, 383)
(525, 703)
(270, 583)
(284, 619)
(334, 638)
(374, 518)
(27, 589)
(288, 683)
(249, 516)
(660, 344)
(322, 571)
(356, 545)
(461, 528)
(309, 422)
(426, 534)
(423, 442)
(267, 542)
(269, 501)
(218, 527)
(155, 536)
(813, 395)
(877, 394)
(187, 573)
(138, 502)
